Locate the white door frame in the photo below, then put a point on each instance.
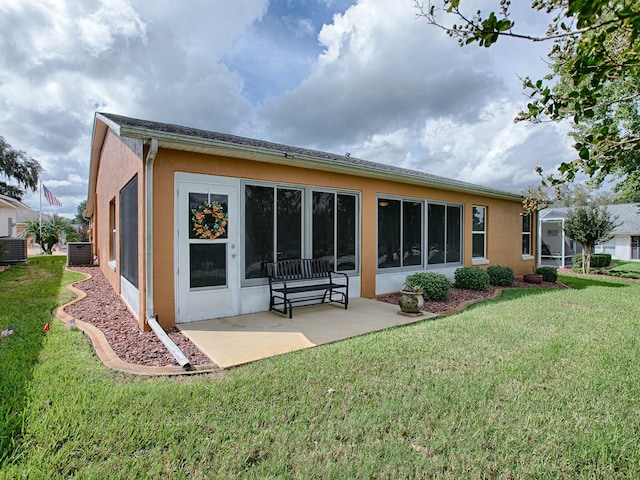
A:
(193, 304)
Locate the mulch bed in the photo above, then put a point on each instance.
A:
(104, 309)
(459, 297)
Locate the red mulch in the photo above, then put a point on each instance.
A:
(458, 296)
(104, 309)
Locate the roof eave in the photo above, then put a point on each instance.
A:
(101, 125)
(189, 143)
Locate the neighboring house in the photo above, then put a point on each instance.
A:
(377, 223)
(13, 215)
(556, 250)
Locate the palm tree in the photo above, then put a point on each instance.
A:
(52, 231)
(16, 165)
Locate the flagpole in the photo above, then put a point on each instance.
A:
(41, 248)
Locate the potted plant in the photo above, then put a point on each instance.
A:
(532, 277)
(411, 300)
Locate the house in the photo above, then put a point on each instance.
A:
(13, 215)
(556, 250)
(150, 183)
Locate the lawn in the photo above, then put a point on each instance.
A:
(535, 384)
(625, 269)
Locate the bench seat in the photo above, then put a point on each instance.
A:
(290, 279)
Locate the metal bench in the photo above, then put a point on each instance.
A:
(305, 281)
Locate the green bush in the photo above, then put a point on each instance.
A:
(576, 262)
(549, 274)
(471, 278)
(435, 286)
(600, 260)
(501, 276)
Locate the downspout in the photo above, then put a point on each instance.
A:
(151, 318)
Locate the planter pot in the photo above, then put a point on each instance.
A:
(411, 302)
(532, 278)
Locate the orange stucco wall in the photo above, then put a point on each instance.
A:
(121, 160)
(504, 224)
(118, 165)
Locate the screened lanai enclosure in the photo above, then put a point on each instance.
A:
(554, 248)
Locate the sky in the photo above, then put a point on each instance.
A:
(366, 77)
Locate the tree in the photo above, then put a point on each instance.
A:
(589, 226)
(594, 80)
(581, 195)
(81, 223)
(52, 231)
(17, 166)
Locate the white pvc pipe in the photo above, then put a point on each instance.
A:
(166, 340)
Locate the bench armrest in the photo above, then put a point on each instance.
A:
(346, 277)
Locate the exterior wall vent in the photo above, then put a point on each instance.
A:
(15, 250)
(79, 253)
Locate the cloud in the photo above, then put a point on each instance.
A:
(114, 22)
(494, 151)
(365, 77)
(380, 70)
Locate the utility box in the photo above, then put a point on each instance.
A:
(15, 250)
(79, 253)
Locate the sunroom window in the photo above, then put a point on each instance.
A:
(444, 233)
(399, 233)
(275, 227)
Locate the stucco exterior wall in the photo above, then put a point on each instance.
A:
(504, 223)
(119, 163)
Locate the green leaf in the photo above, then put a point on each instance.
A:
(584, 153)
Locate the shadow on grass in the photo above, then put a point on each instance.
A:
(28, 294)
(509, 294)
(578, 282)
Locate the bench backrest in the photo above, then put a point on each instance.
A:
(299, 269)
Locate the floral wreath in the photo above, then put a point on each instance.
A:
(209, 220)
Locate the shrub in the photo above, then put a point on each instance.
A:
(500, 276)
(576, 262)
(471, 278)
(600, 260)
(549, 274)
(435, 286)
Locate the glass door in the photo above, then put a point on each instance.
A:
(207, 251)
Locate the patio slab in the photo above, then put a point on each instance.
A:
(233, 341)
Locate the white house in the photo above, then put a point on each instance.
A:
(556, 250)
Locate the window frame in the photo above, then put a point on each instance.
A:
(475, 259)
(306, 222)
(424, 261)
(382, 198)
(128, 217)
(113, 234)
(525, 233)
(446, 206)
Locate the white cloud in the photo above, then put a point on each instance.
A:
(374, 81)
(114, 20)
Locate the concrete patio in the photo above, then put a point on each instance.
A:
(237, 340)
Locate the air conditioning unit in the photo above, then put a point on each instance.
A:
(15, 250)
(79, 253)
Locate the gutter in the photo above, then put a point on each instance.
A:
(151, 318)
(306, 159)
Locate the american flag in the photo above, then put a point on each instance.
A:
(51, 198)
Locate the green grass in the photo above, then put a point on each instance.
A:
(536, 384)
(28, 294)
(624, 269)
